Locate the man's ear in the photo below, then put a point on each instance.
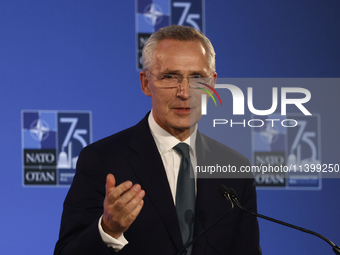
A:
(214, 76)
(144, 83)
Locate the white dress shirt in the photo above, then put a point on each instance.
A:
(171, 161)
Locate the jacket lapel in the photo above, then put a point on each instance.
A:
(147, 164)
(207, 196)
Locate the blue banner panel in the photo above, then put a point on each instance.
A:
(151, 15)
(51, 143)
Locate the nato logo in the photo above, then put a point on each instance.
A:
(51, 142)
(288, 149)
(269, 147)
(151, 15)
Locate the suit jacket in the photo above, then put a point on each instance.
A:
(133, 155)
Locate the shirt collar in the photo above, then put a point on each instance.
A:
(165, 141)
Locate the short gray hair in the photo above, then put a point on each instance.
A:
(176, 32)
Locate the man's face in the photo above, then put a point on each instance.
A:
(171, 106)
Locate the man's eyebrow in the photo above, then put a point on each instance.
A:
(171, 71)
(197, 72)
(179, 72)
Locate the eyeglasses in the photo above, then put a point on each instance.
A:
(174, 80)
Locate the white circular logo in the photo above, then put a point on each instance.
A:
(270, 135)
(153, 14)
(39, 130)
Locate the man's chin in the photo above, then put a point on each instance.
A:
(188, 122)
(195, 117)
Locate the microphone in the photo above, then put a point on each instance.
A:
(184, 250)
(230, 192)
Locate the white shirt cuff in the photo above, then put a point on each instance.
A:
(116, 244)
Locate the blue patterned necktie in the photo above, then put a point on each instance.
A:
(185, 195)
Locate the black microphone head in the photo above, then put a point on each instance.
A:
(223, 191)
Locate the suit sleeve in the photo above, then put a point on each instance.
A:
(83, 206)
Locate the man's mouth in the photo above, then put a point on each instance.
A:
(182, 109)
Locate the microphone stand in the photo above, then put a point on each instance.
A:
(184, 250)
(231, 193)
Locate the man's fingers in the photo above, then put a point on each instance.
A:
(114, 193)
(132, 209)
(137, 208)
(110, 183)
(124, 199)
(134, 202)
(121, 207)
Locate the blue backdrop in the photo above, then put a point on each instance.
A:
(81, 55)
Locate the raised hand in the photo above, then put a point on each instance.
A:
(122, 205)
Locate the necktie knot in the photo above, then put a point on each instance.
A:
(183, 149)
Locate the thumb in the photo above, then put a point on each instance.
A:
(110, 183)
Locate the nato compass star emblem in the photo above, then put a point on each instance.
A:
(39, 130)
(269, 135)
(153, 14)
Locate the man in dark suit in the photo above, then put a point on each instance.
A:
(126, 196)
